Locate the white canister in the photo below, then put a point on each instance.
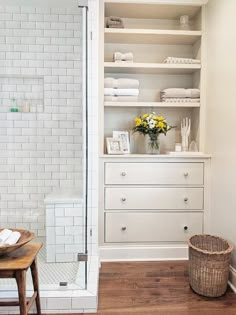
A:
(184, 22)
(178, 147)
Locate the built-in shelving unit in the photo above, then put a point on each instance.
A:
(151, 104)
(150, 68)
(151, 204)
(155, 10)
(151, 36)
(152, 33)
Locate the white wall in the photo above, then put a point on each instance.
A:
(221, 115)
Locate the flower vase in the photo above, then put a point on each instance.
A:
(152, 145)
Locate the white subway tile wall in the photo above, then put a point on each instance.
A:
(40, 151)
(64, 228)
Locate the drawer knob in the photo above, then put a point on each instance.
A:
(123, 228)
(186, 199)
(186, 174)
(123, 174)
(123, 199)
(185, 227)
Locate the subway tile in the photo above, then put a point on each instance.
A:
(44, 148)
(51, 17)
(27, 9)
(27, 25)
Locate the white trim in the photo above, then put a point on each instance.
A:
(174, 2)
(232, 278)
(143, 253)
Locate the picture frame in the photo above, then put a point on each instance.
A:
(124, 137)
(114, 146)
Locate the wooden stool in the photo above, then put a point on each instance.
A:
(14, 265)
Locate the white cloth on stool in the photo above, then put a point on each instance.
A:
(13, 238)
(4, 236)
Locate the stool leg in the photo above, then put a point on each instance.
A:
(21, 284)
(34, 272)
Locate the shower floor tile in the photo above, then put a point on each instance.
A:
(50, 274)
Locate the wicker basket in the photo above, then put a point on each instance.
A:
(209, 264)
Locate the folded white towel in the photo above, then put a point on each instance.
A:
(13, 238)
(179, 92)
(121, 83)
(119, 92)
(121, 98)
(126, 56)
(4, 235)
(180, 100)
(181, 60)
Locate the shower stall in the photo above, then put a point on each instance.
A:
(46, 170)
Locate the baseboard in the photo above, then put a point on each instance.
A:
(232, 278)
(143, 253)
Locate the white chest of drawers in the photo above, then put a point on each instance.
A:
(151, 206)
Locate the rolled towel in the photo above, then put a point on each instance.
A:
(114, 22)
(120, 92)
(13, 238)
(115, 18)
(177, 60)
(121, 98)
(180, 92)
(123, 57)
(121, 83)
(4, 236)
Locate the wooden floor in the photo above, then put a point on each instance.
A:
(159, 288)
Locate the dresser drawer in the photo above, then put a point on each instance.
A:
(154, 173)
(151, 227)
(153, 198)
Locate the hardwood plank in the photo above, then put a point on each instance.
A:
(155, 288)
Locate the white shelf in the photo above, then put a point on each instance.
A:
(156, 156)
(151, 104)
(150, 11)
(150, 68)
(151, 36)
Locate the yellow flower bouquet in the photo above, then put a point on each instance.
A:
(152, 125)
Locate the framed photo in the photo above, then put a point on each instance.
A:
(114, 146)
(124, 137)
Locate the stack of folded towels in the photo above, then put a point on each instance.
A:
(177, 60)
(126, 57)
(114, 22)
(126, 90)
(8, 237)
(180, 95)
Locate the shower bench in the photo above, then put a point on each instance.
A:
(64, 226)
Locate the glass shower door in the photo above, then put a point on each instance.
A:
(46, 143)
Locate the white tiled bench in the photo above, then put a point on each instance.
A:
(65, 229)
